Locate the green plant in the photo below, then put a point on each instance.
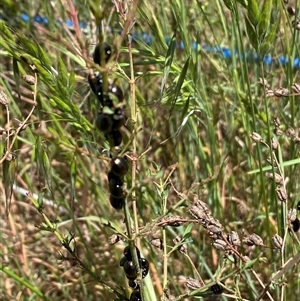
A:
(212, 146)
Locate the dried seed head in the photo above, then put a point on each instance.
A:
(11, 157)
(234, 239)
(203, 206)
(281, 194)
(264, 83)
(198, 213)
(114, 239)
(193, 283)
(3, 98)
(278, 178)
(272, 162)
(282, 92)
(253, 239)
(200, 210)
(213, 225)
(277, 132)
(291, 10)
(173, 221)
(270, 93)
(277, 241)
(296, 88)
(275, 142)
(296, 24)
(292, 215)
(157, 242)
(219, 244)
(277, 122)
(183, 248)
(291, 132)
(256, 137)
(29, 79)
(213, 235)
(296, 139)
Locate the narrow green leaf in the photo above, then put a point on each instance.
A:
(269, 40)
(147, 13)
(243, 3)
(6, 33)
(79, 60)
(43, 163)
(71, 82)
(251, 32)
(73, 176)
(181, 80)
(229, 4)
(168, 62)
(16, 74)
(250, 263)
(23, 282)
(46, 75)
(187, 231)
(40, 200)
(60, 104)
(253, 12)
(47, 169)
(43, 57)
(185, 109)
(63, 76)
(268, 168)
(264, 19)
(9, 168)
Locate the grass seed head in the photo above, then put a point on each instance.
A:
(281, 193)
(234, 239)
(219, 244)
(29, 79)
(3, 98)
(192, 283)
(277, 241)
(253, 240)
(292, 215)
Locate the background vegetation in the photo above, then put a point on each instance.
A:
(206, 126)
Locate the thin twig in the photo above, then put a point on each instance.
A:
(74, 18)
(21, 126)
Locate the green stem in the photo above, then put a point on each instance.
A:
(23, 282)
(134, 140)
(133, 173)
(165, 273)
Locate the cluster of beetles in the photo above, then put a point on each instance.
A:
(110, 119)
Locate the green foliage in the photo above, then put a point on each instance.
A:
(198, 127)
(254, 14)
(262, 24)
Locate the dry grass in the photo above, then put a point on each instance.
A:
(195, 141)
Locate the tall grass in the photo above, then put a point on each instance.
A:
(199, 126)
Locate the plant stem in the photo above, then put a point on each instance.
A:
(23, 282)
(134, 140)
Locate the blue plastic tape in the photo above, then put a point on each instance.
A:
(226, 53)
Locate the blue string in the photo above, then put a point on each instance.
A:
(226, 53)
